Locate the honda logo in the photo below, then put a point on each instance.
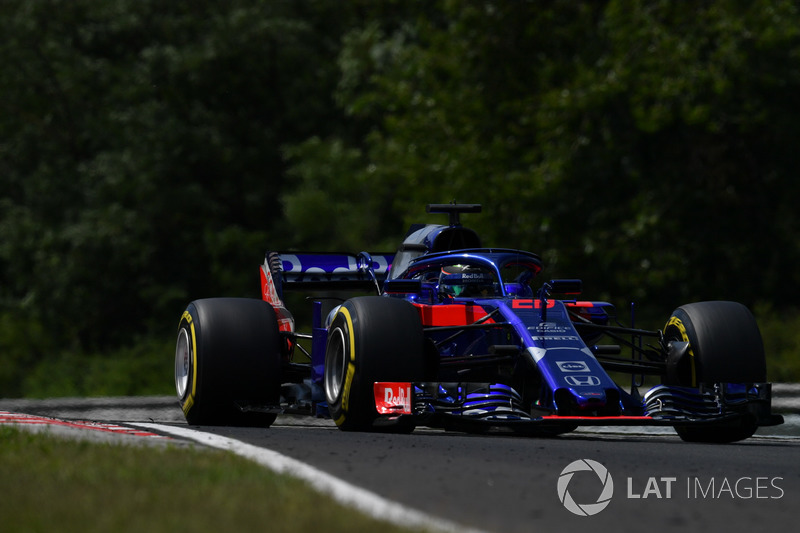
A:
(582, 381)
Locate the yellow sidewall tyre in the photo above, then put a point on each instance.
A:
(725, 346)
(371, 338)
(228, 355)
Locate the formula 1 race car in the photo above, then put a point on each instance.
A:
(458, 336)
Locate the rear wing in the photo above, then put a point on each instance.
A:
(322, 271)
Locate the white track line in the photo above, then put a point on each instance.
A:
(343, 492)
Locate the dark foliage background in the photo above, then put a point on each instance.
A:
(150, 152)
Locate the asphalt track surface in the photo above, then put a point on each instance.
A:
(504, 483)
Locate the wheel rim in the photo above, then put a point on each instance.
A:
(183, 358)
(335, 364)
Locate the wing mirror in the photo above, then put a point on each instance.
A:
(558, 286)
(563, 286)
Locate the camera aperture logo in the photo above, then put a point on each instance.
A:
(604, 478)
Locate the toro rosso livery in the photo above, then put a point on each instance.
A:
(463, 337)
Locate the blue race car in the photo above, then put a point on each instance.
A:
(462, 337)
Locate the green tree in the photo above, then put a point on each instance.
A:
(141, 154)
(150, 152)
(645, 146)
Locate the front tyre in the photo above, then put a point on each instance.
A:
(371, 338)
(725, 346)
(227, 362)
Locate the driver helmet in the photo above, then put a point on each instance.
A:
(466, 281)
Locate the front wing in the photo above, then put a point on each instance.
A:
(499, 406)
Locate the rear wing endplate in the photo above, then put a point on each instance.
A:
(326, 271)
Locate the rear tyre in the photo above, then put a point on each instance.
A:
(371, 338)
(725, 346)
(227, 358)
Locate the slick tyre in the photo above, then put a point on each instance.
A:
(725, 346)
(370, 339)
(227, 362)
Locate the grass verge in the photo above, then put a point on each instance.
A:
(56, 484)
